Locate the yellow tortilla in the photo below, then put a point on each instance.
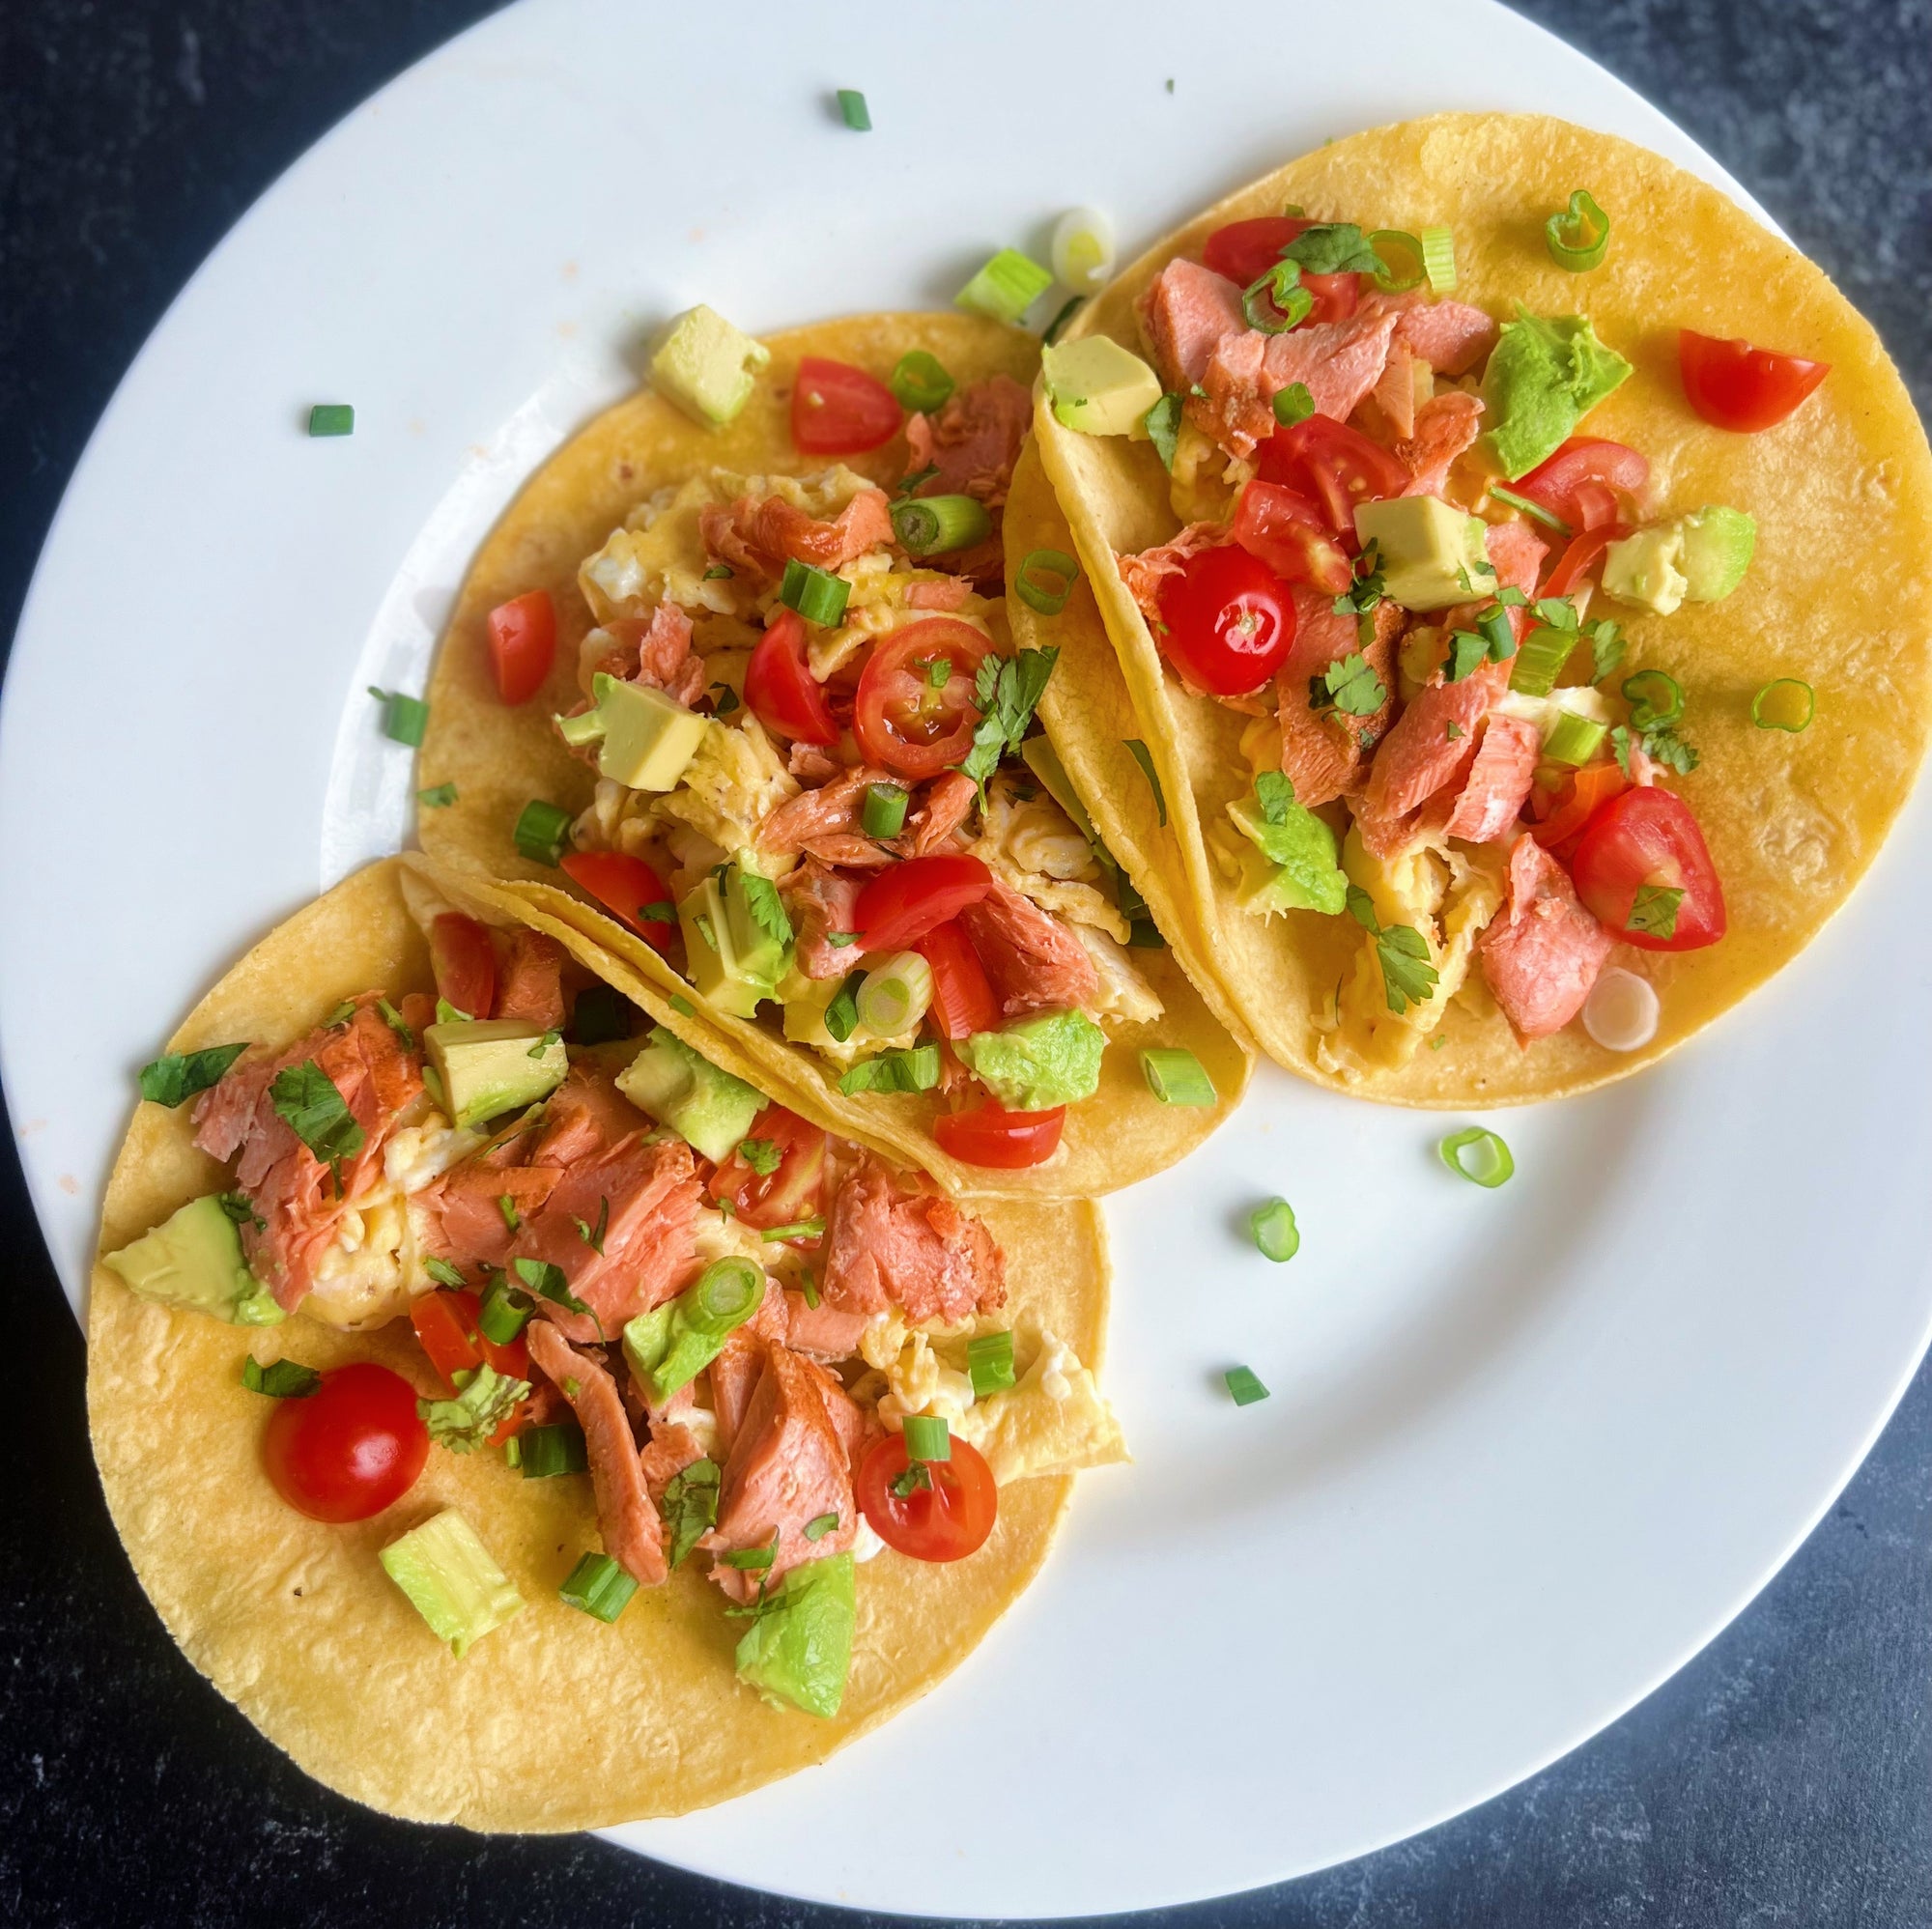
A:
(499, 759)
(1839, 593)
(554, 1721)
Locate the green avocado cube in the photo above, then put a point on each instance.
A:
(193, 1258)
(800, 1647)
(492, 1065)
(452, 1580)
(680, 1088)
(706, 366)
(1052, 1058)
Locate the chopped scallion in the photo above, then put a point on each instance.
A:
(1438, 258)
(599, 1586)
(503, 1313)
(1045, 580)
(817, 594)
(919, 382)
(1534, 510)
(1275, 1232)
(1655, 701)
(989, 1362)
(1577, 236)
(1394, 278)
(934, 525)
(1291, 404)
(1574, 739)
(405, 718)
(853, 111)
(1176, 1076)
(1245, 1387)
(1541, 659)
(927, 1437)
(283, 1379)
(1478, 1155)
(332, 418)
(437, 797)
(542, 832)
(798, 1229)
(885, 810)
(1786, 704)
(1007, 286)
(550, 1451)
(820, 1525)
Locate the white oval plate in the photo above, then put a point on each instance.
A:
(1527, 1449)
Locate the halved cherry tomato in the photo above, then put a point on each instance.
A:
(445, 1327)
(899, 719)
(794, 1189)
(1734, 385)
(523, 644)
(1580, 557)
(1228, 621)
(780, 691)
(1245, 251)
(945, 1521)
(1648, 837)
(837, 409)
(1287, 532)
(963, 1000)
(353, 1447)
(1335, 464)
(464, 963)
(625, 884)
(906, 900)
(1581, 480)
(989, 1135)
(1573, 806)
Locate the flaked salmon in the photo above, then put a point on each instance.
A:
(1497, 786)
(973, 441)
(761, 536)
(1542, 950)
(820, 901)
(530, 979)
(1033, 960)
(896, 1242)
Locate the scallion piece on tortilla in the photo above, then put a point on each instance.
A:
(989, 1361)
(1176, 1076)
(332, 418)
(1398, 277)
(599, 1586)
(1045, 580)
(550, 1451)
(1577, 236)
(1275, 1232)
(1291, 404)
(542, 832)
(927, 1437)
(437, 797)
(503, 1313)
(799, 1229)
(1535, 511)
(940, 524)
(885, 809)
(1541, 659)
(1005, 288)
(1244, 1386)
(1142, 756)
(405, 718)
(920, 382)
(817, 594)
(1478, 1155)
(896, 994)
(1784, 705)
(1438, 258)
(1574, 739)
(853, 111)
(1655, 699)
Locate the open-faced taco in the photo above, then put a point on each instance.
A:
(737, 697)
(528, 1424)
(1528, 632)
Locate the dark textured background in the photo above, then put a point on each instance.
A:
(1784, 1777)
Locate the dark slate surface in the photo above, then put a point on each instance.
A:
(1785, 1776)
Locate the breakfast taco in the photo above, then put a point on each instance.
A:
(731, 690)
(443, 1366)
(1528, 658)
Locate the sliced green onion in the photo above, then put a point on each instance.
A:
(853, 111)
(919, 382)
(1477, 1154)
(799, 1229)
(284, 1379)
(513, 1453)
(599, 1586)
(1142, 756)
(1499, 632)
(885, 809)
(405, 718)
(437, 797)
(1057, 328)
(542, 832)
(989, 1362)
(444, 1273)
(585, 727)
(817, 594)
(1176, 1076)
(1083, 249)
(550, 1451)
(1577, 240)
(896, 994)
(1277, 302)
(1438, 258)
(1784, 705)
(727, 1293)
(332, 418)
(1045, 580)
(752, 1560)
(1574, 739)
(934, 526)
(1292, 403)
(927, 1437)
(1655, 699)
(1005, 288)
(820, 1525)
(1244, 1385)
(1392, 282)
(1541, 659)
(1275, 1230)
(503, 1313)
(1531, 508)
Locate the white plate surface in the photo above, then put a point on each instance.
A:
(1527, 1449)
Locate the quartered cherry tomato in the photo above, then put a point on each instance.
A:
(464, 963)
(1285, 530)
(1245, 251)
(794, 1189)
(1582, 555)
(1576, 803)
(353, 1447)
(780, 691)
(837, 409)
(1648, 837)
(1734, 385)
(963, 1000)
(523, 644)
(1582, 480)
(906, 900)
(1228, 621)
(944, 1522)
(902, 719)
(989, 1135)
(1334, 464)
(625, 884)
(446, 1329)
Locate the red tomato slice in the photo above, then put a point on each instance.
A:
(1734, 385)
(1228, 621)
(464, 963)
(1580, 557)
(837, 409)
(989, 1135)
(1245, 251)
(945, 1521)
(1335, 464)
(353, 1447)
(906, 900)
(794, 1189)
(523, 644)
(1563, 483)
(625, 884)
(445, 1326)
(1648, 835)
(781, 692)
(1577, 802)
(1287, 532)
(962, 995)
(899, 719)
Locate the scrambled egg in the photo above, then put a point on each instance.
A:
(1123, 994)
(917, 1379)
(1054, 1421)
(659, 553)
(733, 784)
(1029, 842)
(877, 606)
(1203, 484)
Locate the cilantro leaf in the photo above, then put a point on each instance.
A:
(437, 797)
(1407, 976)
(762, 901)
(1669, 749)
(1451, 730)
(1274, 793)
(762, 1156)
(173, 1080)
(548, 1282)
(915, 1477)
(1142, 756)
(1353, 687)
(1007, 692)
(1361, 907)
(483, 1401)
(1620, 748)
(1467, 650)
(1334, 247)
(283, 1379)
(689, 1508)
(1608, 644)
(236, 1205)
(1162, 422)
(1653, 911)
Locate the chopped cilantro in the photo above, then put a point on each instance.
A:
(762, 1156)
(1162, 422)
(1274, 793)
(1007, 692)
(173, 1080)
(1652, 911)
(306, 1101)
(1353, 687)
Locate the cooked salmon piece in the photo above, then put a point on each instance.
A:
(734, 1372)
(1395, 390)
(1323, 750)
(1517, 552)
(1420, 754)
(1451, 336)
(530, 979)
(759, 537)
(974, 440)
(945, 804)
(828, 823)
(1493, 793)
(896, 1242)
(1443, 429)
(1542, 950)
(1033, 960)
(1145, 574)
(627, 1518)
(583, 1116)
(938, 593)
(671, 1449)
(461, 1215)
(1185, 311)
(1339, 363)
(830, 1332)
(787, 1466)
(819, 901)
(656, 651)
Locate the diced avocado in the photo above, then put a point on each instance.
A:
(1647, 569)
(1295, 866)
(1050, 1058)
(761, 933)
(193, 1258)
(488, 1066)
(706, 366)
(452, 1580)
(682, 1089)
(669, 1347)
(734, 953)
(1544, 376)
(1099, 387)
(648, 741)
(1044, 760)
(1718, 548)
(800, 1649)
(806, 1000)
(1431, 556)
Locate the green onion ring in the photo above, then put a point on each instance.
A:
(1565, 234)
(1274, 1230)
(1655, 701)
(920, 382)
(1774, 691)
(932, 525)
(1438, 258)
(1282, 286)
(1496, 1164)
(1387, 282)
(1045, 580)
